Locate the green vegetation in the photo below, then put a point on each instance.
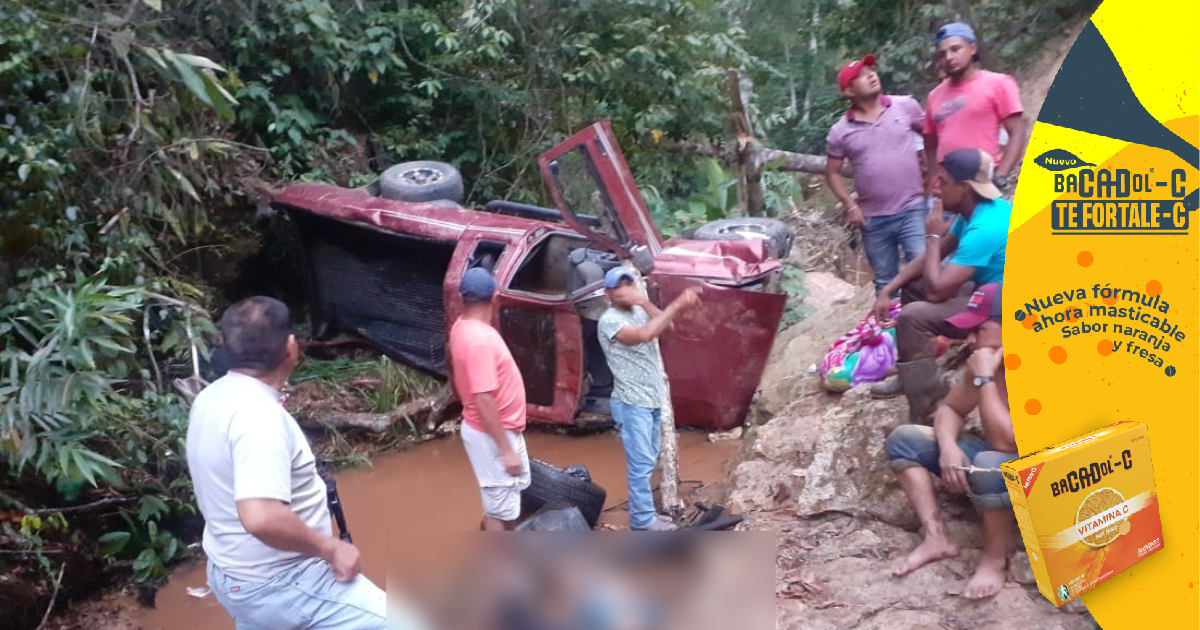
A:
(136, 137)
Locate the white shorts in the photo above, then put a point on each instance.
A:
(500, 491)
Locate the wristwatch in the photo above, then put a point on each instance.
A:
(980, 381)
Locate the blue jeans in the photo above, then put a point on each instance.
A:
(641, 432)
(912, 445)
(305, 596)
(884, 236)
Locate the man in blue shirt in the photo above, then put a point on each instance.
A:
(934, 286)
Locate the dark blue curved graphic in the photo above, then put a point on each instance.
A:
(1092, 95)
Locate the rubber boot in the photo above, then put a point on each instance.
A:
(924, 387)
(889, 388)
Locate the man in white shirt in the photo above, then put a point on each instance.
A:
(273, 561)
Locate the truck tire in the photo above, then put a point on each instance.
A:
(421, 181)
(549, 483)
(776, 234)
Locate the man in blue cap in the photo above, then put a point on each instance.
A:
(627, 332)
(968, 109)
(492, 392)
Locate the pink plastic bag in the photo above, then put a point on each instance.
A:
(874, 360)
(862, 355)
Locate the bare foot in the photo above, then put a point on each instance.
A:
(988, 579)
(932, 548)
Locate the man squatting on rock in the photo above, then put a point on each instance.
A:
(917, 452)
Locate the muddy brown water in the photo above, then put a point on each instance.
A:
(428, 491)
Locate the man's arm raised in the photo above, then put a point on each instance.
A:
(660, 323)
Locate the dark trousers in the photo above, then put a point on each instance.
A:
(921, 321)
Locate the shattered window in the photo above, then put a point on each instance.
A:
(576, 179)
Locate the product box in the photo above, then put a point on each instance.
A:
(1087, 508)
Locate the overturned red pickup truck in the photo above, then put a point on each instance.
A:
(385, 263)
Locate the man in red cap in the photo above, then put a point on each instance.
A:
(877, 135)
(966, 463)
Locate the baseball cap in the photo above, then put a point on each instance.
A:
(613, 278)
(954, 29)
(974, 167)
(985, 304)
(477, 285)
(851, 70)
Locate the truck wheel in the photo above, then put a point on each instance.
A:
(421, 181)
(776, 234)
(549, 483)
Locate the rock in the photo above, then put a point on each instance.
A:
(848, 470)
(818, 477)
(757, 488)
(826, 290)
(726, 436)
(787, 378)
(1020, 571)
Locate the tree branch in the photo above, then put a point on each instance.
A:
(86, 507)
(54, 597)
(71, 509)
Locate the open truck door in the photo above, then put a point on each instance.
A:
(716, 354)
(587, 176)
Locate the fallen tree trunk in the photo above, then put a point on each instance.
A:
(377, 422)
(424, 413)
(797, 162)
(788, 161)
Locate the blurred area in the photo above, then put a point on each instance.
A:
(568, 581)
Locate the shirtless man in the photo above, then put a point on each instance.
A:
(917, 453)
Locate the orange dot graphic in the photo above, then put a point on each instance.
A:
(1071, 315)
(1033, 407)
(1028, 322)
(1058, 355)
(1012, 362)
(1105, 347)
(1154, 287)
(1085, 259)
(1110, 300)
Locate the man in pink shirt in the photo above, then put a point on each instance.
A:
(489, 384)
(968, 109)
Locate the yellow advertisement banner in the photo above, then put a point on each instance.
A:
(1102, 270)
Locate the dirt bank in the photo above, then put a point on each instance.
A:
(816, 475)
